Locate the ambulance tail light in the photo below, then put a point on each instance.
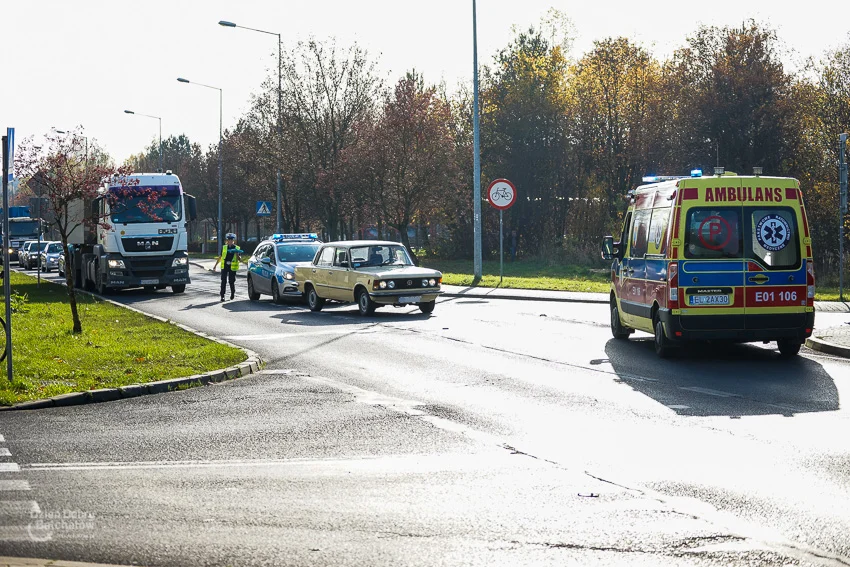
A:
(672, 285)
(810, 283)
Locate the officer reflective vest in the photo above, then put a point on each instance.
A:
(234, 259)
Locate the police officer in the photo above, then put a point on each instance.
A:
(229, 264)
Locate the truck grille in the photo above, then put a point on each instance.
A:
(147, 267)
(148, 243)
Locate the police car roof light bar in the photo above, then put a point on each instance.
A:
(301, 236)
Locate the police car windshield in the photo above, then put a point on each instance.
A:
(145, 204)
(296, 252)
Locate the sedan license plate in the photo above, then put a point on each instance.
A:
(149, 282)
(709, 300)
(409, 299)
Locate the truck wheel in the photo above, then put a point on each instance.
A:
(252, 293)
(100, 285)
(313, 300)
(788, 348)
(179, 288)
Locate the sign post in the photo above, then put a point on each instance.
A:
(8, 163)
(842, 209)
(502, 195)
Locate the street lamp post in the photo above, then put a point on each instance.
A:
(279, 203)
(160, 133)
(220, 194)
(476, 155)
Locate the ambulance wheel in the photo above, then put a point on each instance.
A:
(663, 348)
(252, 293)
(617, 328)
(313, 300)
(788, 347)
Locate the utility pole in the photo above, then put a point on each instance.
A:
(842, 209)
(476, 155)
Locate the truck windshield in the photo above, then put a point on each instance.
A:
(145, 204)
(25, 228)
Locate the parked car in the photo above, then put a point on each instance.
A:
(271, 269)
(24, 251)
(49, 257)
(372, 273)
(28, 255)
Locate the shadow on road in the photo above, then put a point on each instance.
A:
(724, 379)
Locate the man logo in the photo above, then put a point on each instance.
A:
(409, 283)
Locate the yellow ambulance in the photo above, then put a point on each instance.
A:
(726, 257)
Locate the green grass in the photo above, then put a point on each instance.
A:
(524, 275)
(117, 347)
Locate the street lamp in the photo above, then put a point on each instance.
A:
(476, 156)
(278, 220)
(182, 80)
(160, 133)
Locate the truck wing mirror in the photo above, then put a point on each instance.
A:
(191, 207)
(607, 247)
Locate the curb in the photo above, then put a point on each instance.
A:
(476, 295)
(250, 366)
(827, 347)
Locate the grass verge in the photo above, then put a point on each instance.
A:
(527, 274)
(117, 347)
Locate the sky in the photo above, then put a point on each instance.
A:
(69, 63)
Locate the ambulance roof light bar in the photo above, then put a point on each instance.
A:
(696, 173)
(657, 178)
(719, 170)
(757, 171)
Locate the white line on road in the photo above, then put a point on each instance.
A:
(13, 485)
(679, 407)
(2, 439)
(4, 452)
(290, 336)
(19, 507)
(710, 392)
(9, 467)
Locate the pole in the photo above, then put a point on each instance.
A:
(160, 145)
(476, 154)
(279, 219)
(220, 237)
(8, 145)
(842, 209)
(501, 247)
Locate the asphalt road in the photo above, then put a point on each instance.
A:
(493, 432)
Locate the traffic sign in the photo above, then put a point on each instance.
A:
(264, 208)
(502, 194)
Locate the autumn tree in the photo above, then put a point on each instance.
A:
(67, 171)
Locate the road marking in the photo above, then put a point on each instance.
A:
(679, 407)
(4, 452)
(710, 392)
(2, 439)
(12, 485)
(290, 336)
(9, 467)
(19, 507)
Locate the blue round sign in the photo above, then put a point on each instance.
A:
(773, 232)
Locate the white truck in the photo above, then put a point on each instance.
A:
(145, 244)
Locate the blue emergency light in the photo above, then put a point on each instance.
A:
(696, 173)
(301, 236)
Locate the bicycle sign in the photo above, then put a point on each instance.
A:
(501, 194)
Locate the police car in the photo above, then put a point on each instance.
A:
(271, 269)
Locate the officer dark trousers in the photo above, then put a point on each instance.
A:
(228, 275)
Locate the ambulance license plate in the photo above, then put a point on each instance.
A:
(149, 282)
(709, 300)
(409, 299)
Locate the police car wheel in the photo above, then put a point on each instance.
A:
(617, 328)
(788, 347)
(313, 300)
(252, 294)
(275, 292)
(662, 344)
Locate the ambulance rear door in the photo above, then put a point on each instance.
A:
(711, 277)
(776, 271)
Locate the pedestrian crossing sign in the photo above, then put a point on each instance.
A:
(264, 208)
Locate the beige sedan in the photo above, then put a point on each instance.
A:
(372, 273)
